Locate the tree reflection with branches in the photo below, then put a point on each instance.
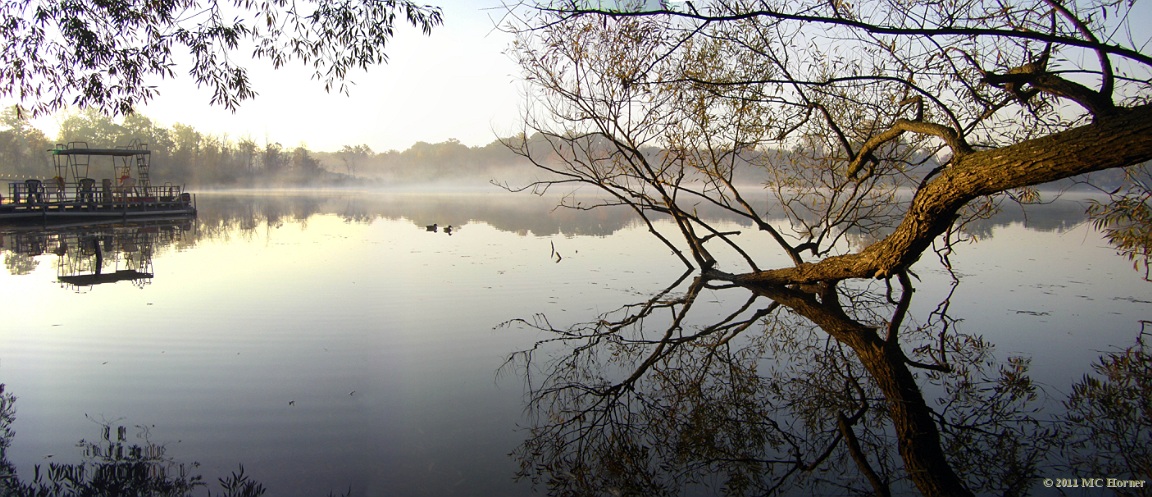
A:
(115, 464)
(792, 390)
(1110, 415)
(877, 130)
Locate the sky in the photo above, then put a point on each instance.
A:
(454, 84)
(457, 83)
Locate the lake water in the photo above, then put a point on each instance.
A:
(331, 341)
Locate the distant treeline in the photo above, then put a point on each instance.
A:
(181, 154)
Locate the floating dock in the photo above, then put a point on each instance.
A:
(72, 195)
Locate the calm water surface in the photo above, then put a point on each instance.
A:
(331, 341)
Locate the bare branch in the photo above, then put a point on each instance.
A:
(953, 139)
(879, 29)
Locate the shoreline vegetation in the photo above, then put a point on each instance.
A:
(206, 161)
(202, 160)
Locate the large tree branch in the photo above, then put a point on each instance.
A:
(1094, 102)
(1119, 140)
(1107, 76)
(1021, 34)
(953, 139)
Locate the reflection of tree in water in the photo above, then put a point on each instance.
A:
(19, 264)
(96, 253)
(794, 391)
(1110, 415)
(115, 464)
(225, 215)
(222, 215)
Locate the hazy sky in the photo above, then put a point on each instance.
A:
(456, 83)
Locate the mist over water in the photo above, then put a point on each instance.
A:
(333, 339)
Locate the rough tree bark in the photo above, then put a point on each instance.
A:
(962, 82)
(1114, 141)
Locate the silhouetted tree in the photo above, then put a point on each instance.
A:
(1110, 416)
(1126, 218)
(107, 55)
(247, 155)
(744, 392)
(352, 156)
(185, 154)
(303, 163)
(92, 127)
(273, 159)
(879, 128)
(113, 465)
(951, 102)
(22, 147)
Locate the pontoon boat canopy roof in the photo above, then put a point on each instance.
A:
(119, 152)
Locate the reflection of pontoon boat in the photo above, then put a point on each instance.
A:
(72, 194)
(96, 253)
